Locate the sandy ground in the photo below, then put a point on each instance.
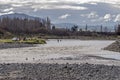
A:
(66, 51)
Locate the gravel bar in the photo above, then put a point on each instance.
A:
(40, 71)
(14, 45)
(114, 46)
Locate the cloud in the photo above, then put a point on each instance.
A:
(36, 5)
(16, 5)
(52, 4)
(92, 11)
(70, 7)
(90, 15)
(117, 19)
(8, 9)
(93, 3)
(107, 17)
(61, 1)
(64, 16)
(93, 15)
(11, 12)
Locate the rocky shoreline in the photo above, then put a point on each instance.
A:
(14, 45)
(114, 46)
(58, 72)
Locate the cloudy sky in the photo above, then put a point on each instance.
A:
(93, 12)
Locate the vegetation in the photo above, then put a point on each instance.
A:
(35, 27)
(23, 26)
(6, 41)
(30, 41)
(34, 41)
(118, 30)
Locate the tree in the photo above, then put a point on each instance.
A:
(48, 23)
(118, 29)
(53, 27)
(80, 29)
(74, 28)
(105, 29)
(21, 26)
(86, 28)
(101, 28)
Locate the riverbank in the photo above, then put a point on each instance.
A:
(114, 46)
(15, 45)
(27, 41)
(58, 72)
(83, 37)
(8, 43)
(87, 61)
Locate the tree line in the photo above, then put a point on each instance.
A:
(36, 26)
(23, 26)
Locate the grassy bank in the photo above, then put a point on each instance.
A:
(31, 41)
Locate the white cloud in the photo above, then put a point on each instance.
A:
(8, 6)
(52, 4)
(64, 16)
(17, 5)
(14, 1)
(107, 17)
(117, 19)
(93, 15)
(11, 12)
(58, 7)
(59, 1)
(93, 3)
(7, 10)
(90, 15)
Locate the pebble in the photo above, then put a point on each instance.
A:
(29, 71)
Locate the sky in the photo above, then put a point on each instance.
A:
(81, 12)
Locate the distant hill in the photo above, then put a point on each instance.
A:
(21, 16)
(64, 25)
(90, 27)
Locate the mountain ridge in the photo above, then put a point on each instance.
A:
(20, 16)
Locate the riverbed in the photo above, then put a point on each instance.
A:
(62, 52)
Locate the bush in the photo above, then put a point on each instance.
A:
(34, 41)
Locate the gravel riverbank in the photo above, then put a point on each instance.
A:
(114, 46)
(58, 72)
(39, 62)
(14, 45)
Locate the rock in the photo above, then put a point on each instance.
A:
(86, 71)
